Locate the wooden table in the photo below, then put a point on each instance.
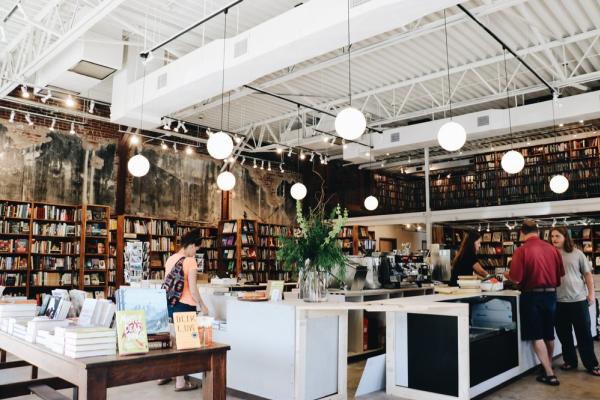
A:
(93, 375)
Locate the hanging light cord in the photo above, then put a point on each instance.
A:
(223, 69)
(349, 63)
(298, 155)
(508, 100)
(448, 64)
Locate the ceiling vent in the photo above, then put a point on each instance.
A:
(92, 70)
(483, 120)
(395, 137)
(161, 82)
(240, 48)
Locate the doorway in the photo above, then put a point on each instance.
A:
(386, 245)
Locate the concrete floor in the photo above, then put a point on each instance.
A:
(574, 386)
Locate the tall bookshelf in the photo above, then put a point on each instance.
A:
(15, 225)
(487, 184)
(587, 239)
(355, 240)
(95, 273)
(237, 240)
(268, 243)
(399, 193)
(208, 244)
(56, 247)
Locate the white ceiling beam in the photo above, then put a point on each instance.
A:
(396, 39)
(453, 70)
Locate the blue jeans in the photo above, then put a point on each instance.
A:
(179, 307)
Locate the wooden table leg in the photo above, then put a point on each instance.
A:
(34, 372)
(214, 385)
(96, 385)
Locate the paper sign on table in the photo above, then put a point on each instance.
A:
(186, 330)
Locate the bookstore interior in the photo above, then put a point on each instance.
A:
(322, 199)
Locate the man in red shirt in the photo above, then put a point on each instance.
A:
(537, 268)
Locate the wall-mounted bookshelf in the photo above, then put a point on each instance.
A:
(355, 240)
(485, 183)
(237, 239)
(400, 193)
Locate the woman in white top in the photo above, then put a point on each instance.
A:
(574, 297)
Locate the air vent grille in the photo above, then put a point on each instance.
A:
(483, 120)
(240, 48)
(161, 82)
(395, 137)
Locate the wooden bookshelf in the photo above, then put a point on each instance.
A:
(485, 183)
(355, 240)
(237, 239)
(399, 193)
(208, 245)
(268, 268)
(95, 270)
(15, 224)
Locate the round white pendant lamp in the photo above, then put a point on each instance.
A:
(371, 203)
(138, 165)
(512, 162)
(226, 181)
(350, 123)
(559, 184)
(298, 191)
(219, 145)
(452, 136)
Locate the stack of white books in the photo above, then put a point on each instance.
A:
(44, 338)
(43, 324)
(18, 328)
(89, 342)
(17, 311)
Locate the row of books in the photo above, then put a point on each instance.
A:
(14, 246)
(95, 229)
(96, 213)
(269, 241)
(56, 229)
(49, 262)
(12, 279)
(51, 279)
(13, 262)
(347, 231)
(273, 230)
(267, 254)
(152, 227)
(14, 210)
(247, 239)
(162, 244)
(206, 243)
(14, 227)
(54, 247)
(95, 264)
(204, 232)
(55, 213)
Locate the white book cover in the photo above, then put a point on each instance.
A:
(107, 315)
(90, 347)
(86, 333)
(96, 340)
(94, 353)
(88, 312)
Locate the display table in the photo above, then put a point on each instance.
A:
(286, 350)
(94, 375)
(453, 346)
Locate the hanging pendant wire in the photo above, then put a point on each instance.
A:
(508, 101)
(448, 64)
(298, 155)
(223, 68)
(349, 63)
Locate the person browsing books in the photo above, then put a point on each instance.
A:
(574, 297)
(182, 289)
(466, 262)
(537, 268)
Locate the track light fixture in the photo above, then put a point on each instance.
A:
(243, 161)
(479, 228)
(52, 125)
(177, 127)
(167, 124)
(24, 91)
(12, 117)
(134, 140)
(175, 147)
(554, 222)
(28, 119)
(269, 167)
(46, 97)
(290, 152)
(254, 164)
(188, 150)
(325, 139)
(488, 227)
(237, 139)
(302, 155)
(72, 131)
(163, 145)
(183, 127)
(91, 107)
(279, 150)
(262, 164)
(281, 168)
(312, 156)
(69, 102)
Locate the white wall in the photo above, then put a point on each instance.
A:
(400, 234)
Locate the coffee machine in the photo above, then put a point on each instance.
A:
(398, 270)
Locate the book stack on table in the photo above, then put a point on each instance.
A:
(86, 342)
(12, 312)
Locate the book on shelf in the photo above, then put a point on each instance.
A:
(14, 210)
(131, 332)
(51, 212)
(13, 262)
(186, 330)
(229, 227)
(14, 227)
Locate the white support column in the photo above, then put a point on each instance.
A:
(427, 199)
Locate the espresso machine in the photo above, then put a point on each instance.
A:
(397, 270)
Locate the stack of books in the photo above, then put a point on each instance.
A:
(38, 325)
(20, 310)
(90, 342)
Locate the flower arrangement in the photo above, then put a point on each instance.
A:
(314, 245)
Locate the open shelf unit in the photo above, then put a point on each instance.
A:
(237, 247)
(208, 245)
(399, 193)
(268, 243)
(355, 240)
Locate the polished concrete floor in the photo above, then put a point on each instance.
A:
(574, 386)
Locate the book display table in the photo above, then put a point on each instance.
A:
(94, 375)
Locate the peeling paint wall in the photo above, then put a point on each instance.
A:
(40, 165)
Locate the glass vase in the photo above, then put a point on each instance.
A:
(313, 285)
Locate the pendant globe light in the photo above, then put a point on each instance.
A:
(512, 161)
(559, 183)
(298, 190)
(225, 181)
(138, 165)
(220, 144)
(350, 123)
(451, 135)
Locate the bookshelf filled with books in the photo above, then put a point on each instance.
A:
(355, 240)
(237, 248)
(485, 183)
(269, 241)
(95, 274)
(15, 230)
(400, 193)
(208, 254)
